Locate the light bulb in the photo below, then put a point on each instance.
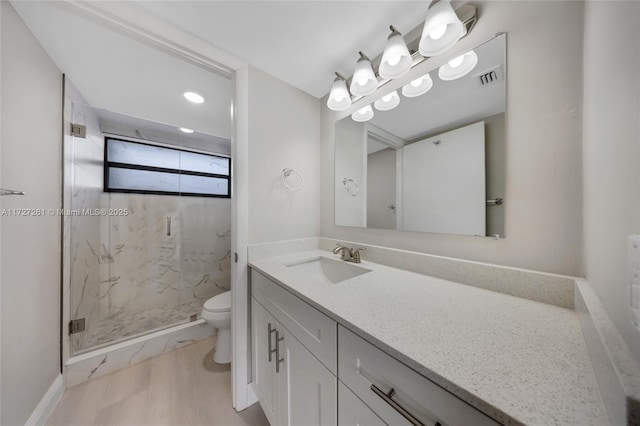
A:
(387, 98)
(362, 81)
(417, 82)
(438, 32)
(394, 60)
(338, 97)
(363, 114)
(456, 62)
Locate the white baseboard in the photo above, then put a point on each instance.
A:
(48, 402)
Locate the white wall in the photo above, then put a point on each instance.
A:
(284, 132)
(611, 129)
(543, 127)
(30, 264)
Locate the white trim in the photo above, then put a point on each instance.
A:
(48, 402)
(241, 389)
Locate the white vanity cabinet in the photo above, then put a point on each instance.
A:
(299, 354)
(293, 386)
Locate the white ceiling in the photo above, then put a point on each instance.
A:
(300, 42)
(119, 74)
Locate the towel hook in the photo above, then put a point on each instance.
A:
(285, 174)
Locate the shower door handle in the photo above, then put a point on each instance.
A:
(168, 226)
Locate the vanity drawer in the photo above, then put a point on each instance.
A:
(352, 411)
(362, 366)
(316, 331)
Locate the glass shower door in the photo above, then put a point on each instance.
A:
(205, 226)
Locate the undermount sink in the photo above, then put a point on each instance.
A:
(326, 271)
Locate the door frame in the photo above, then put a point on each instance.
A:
(134, 22)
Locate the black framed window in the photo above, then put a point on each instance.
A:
(136, 167)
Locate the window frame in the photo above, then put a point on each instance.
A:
(107, 165)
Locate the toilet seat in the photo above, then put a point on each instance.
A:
(219, 303)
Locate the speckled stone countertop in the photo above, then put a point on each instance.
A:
(518, 361)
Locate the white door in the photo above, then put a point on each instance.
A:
(308, 390)
(443, 183)
(263, 327)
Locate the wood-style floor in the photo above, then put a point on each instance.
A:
(180, 388)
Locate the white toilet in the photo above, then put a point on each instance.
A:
(217, 312)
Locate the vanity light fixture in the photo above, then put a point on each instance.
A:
(458, 67)
(388, 102)
(363, 114)
(418, 87)
(339, 97)
(364, 81)
(396, 59)
(193, 97)
(185, 130)
(442, 29)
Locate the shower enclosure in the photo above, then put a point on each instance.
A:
(146, 253)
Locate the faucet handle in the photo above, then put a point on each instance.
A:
(355, 254)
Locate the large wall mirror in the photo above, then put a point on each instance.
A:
(436, 161)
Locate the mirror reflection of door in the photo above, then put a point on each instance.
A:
(381, 186)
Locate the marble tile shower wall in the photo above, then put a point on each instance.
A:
(127, 275)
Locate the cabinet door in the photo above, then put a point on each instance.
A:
(308, 391)
(265, 382)
(352, 411)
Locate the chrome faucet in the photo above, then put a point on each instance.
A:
(348, 255)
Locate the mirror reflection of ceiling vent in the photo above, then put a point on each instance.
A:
(489, 77)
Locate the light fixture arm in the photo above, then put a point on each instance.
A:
(363, 57)
(394, 32)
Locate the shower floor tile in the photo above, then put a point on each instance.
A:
(182, 387)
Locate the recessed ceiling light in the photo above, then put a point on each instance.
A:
(193, 97)
(185, 130)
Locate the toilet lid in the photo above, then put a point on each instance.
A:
(219, 303)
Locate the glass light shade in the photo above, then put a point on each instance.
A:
(339, 97)
(388, 102)
(364, 80)
(458, 67)
(396, 59)
(418, 87)
(363, 114)
(442, 29)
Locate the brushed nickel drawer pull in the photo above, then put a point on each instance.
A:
(387, 397)
(278, 359)
(271, 331)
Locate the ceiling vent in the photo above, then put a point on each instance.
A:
(489, 77)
